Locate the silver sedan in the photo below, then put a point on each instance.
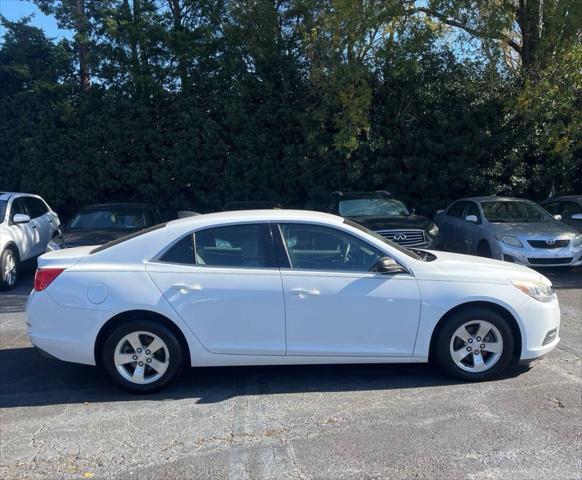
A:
(510, 229)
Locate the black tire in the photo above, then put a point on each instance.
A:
(176, 357)
(484, 250)
(8, 279)
(442, 350)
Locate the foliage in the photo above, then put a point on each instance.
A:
(190, 104)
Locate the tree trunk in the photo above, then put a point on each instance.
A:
(82, 41)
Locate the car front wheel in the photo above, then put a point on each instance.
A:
(475, 345)
(142, 356)
(9, 267)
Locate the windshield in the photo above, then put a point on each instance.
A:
(3, 204)
(123, 218)
(400, 248)
(369, 207)
(514, 211)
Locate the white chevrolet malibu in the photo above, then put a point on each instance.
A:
(283, 287)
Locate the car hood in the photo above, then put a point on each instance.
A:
(76, 238)
(468, 268)
(400, 222)
(534, 229)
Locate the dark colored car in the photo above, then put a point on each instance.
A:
(386, 215)
(99, 224)
(569, 207)
(251, 205)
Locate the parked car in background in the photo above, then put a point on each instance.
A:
(27, 224)
(283, 287)
(251, 205)
(381, 212)
(510, 229)
(99, 224)
(569, 208)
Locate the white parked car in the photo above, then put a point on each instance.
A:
(27, 224)
(283, 287)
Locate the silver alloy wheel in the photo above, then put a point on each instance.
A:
(10, 269)
(476, 346)
(141, 357)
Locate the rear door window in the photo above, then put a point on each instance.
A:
(236, 246)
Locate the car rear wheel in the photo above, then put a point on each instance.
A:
(475, 344)
(9, 268)
(142, 356)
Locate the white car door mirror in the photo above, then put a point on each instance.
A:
(558, 217)
(577, 216)
(471, 219)
(388, 265)
(20, 218)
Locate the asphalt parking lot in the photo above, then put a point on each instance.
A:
(62, 420)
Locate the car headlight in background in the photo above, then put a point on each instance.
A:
(540, 291)
(577, 241)
(434, 231)
(509, 240)
(52, 246)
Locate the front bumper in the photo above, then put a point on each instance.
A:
(539, 257)
(539, 319)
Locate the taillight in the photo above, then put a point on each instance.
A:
(44, 277)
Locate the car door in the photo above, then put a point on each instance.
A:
(467, 231)
(25, 236)
(225, 284)
(571, 214)
(41, 222)
(335, 305)
(450, 223)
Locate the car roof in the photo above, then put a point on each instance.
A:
(350, 195)
(492, 198)
(9, 195)
(99, 206)
(235, 216)
(576, 198)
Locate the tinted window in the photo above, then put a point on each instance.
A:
(181, 252)
(36, 207)
(473, 209)
(456, 209)
(242, 246)
(18, 206)
(314, 247)
(127, 237)
(116, 218)
(571, 208)
(3, 206)
(554, 208)
(372, 206)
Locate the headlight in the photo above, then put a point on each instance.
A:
(513, 241)
(434, 231)
(577, 240)
(538, 290)
(52, 246)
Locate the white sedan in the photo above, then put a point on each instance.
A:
(283, 287)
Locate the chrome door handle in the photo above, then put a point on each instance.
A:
(305, 291)
(186, 287)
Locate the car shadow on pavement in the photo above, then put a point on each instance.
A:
(29, 379)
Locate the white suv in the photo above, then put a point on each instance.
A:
(27, 224)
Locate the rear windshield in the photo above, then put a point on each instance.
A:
(127, 237)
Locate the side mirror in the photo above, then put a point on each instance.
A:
(472, 219)
(577, 216)
(558, 217)
(20, 218)
(388, 265)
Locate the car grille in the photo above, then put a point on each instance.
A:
(550, 261)
(544, 244)
(406, 238)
